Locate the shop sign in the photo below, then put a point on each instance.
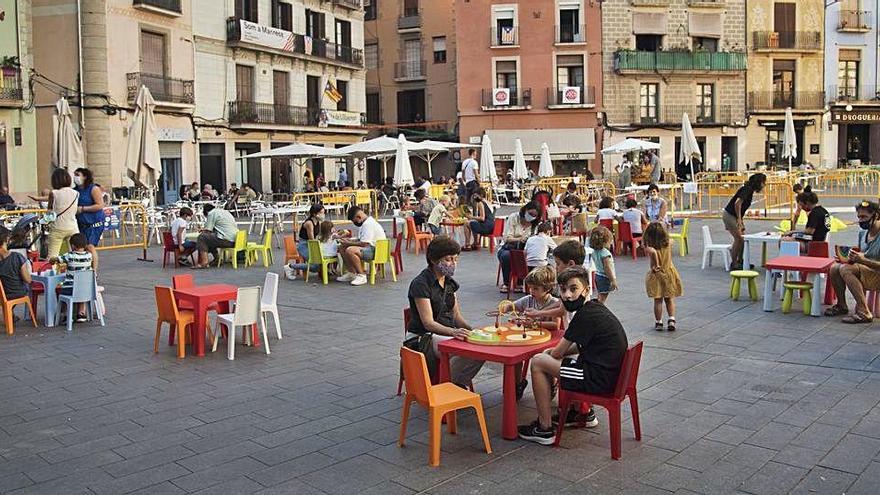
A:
(339, 117)
(856, 116)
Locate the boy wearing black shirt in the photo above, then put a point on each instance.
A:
(587, 358)
(818, 219)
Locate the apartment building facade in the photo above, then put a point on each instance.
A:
(786, 67)
(264, 69)
(665, 58)
(531, 70)
(852, 127)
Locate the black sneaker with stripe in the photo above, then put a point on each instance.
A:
(534, 433)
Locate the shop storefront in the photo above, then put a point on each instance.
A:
(858, 134)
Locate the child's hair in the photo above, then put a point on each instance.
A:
(577, 272)
(570, 251)
(325, 230)
(807, 196)
(78, 241)
(545, 228)
(444, 199)
(631, 203)
(797, 188)
(185, 212)
(655, 236)
(606, 202)
(4, 235)
(543, 277)
(600, 237)
(653, 187)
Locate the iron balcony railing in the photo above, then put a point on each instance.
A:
(411, 69)
(11, 89)
(854, 20)
(571, 34)
(638, 61)
(248, 112)
(854, 93)
(519, 97)
(410, 18)
(787, 40)
(352, 4)
(505, 36)
(164, 89)
(169, 5)
(780, 100)
(556, 96)
(698, 115)
(304, 45)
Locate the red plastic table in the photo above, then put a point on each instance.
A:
(804, 264)
(509, 356)
(201, 297)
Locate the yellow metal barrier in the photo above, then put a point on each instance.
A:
(773, 203)
(365, 198)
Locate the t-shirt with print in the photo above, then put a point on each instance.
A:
(76, 261)
(436, 215)
(10, 275)
(820, 221)
(601, 342)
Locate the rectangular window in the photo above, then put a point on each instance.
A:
(315, 24)
(281, 87)
(282, 15)
(246, 9)
(505, 76)
(783, 83)
(504, 33)
(705, 44)
(244, 83)
(705, 103)
(410, 8)
(374, 111)
(370, 10)
(343, 33)
(371, 55)
(153, 54)
(848, 78)
(570, 30)
(440, 50)
(649, 42)
(342, 87)
(649, 103)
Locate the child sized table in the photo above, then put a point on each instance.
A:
(806, 264)
(764, 238)
(201, 297)
(50, 282)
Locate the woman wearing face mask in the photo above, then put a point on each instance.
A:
(482, 222)
(518, 227)
(90, 212)
(308, 230)
(435, 313)
(860, 270)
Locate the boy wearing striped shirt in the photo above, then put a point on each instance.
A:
(78, 259)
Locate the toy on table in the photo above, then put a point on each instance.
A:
(520, 330)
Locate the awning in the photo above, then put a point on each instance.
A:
(564, 144)
(704, 25)
(649, 23)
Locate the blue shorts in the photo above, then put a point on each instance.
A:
(368, 253)
(435, 229)
(189, 244)
(603, 284)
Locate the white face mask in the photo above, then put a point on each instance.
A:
(78, 180)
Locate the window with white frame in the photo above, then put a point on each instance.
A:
(504, 32)
(440, 49)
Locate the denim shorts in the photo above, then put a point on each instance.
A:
(435, 229)
(368, 253)
(603, 284)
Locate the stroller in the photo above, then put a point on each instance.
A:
(26, 232)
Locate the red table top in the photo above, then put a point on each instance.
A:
(800, 263)
(208, 291)
(496, 353)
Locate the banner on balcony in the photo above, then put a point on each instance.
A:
(571, 95)
(501, 97)
(259, 34)
(338, 117)
(508, 35)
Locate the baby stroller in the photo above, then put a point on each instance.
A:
(26, 232)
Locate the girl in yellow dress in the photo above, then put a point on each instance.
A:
(662, 282)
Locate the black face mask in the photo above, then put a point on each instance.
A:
(866, 224)
(572, 306)
(356, 223)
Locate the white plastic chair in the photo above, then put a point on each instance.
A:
(247, 313)
(85, 290)
(269, 301)
(709, 248)
(786, 248)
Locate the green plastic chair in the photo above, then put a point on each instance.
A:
(254, 250)
(380, 259)
(239, 247)
(682, 237)
(316, 258)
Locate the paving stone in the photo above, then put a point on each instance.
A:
(774, 478)
(360, 473)
(867, 482)
(852, 454)
(822, 480)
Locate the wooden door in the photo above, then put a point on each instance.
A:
(784, 23)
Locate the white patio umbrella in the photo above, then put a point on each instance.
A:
(630, 145)
(519, 161)
(299, 153)
(789, 139)
(402, 168)
(487, 162)
(142, 156)
(384, 148)
(689, 147)
(67, 152)
(545, 169)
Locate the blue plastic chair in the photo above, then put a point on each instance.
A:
(85, 290)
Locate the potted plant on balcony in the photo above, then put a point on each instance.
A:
(9, 65)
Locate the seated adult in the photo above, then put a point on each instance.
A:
(208, 193)
(482, 220)
(517, 228)
(194, 193)
(219, 232)
(362, 248)
(655, 206)
(233, 191)
(178, 234)
(248, 193)
(308, 230)
(15, 274)
(423, 207)
(6, 201)
(861, 269)
(435, 314)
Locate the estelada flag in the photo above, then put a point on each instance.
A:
(331, 92)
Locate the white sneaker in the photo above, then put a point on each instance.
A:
(346, 277)
(289, 273)
(359, 280)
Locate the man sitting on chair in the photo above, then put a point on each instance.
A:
(360, 249)
(219, 232)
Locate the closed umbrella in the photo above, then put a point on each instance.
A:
(789, 139)
(520, 172)
(487, 162)
(402, 168)
(67, 149)
(545, 169)
(689, 147)
(142, 156)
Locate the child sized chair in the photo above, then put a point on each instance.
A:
(681, 238)
(381, 258)
(255, 250)
(518, 269)
(317, 258)
(269, 301)
(806, 291)
(168, 313)
(736, 278)
(290, 252)
(709, 247)
(626, 387)
(396, 254)
(169, 248)
(8, 304)
(239, 247)
(247, 313)
(579, 226)
(421, 239)
(85, 290)
(626, 240)
(438, 400)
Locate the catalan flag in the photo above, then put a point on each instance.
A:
(331, 92)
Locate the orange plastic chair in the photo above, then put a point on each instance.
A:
(421, 238)
(8, 304)
(438, 400)
(168, 313)
(290, 252)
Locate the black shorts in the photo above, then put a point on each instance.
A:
(576, 377)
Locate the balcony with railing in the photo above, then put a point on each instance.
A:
(10, 86)
(500, 37)
(248, 112)
(351, 4)
(854, 94)
(699, 116)
(567, 97)
(164, 89)
(855, 21)
(649, 3)
(571, 34)
(635, 62)
(707, 3)
(297, 45)
(799, 41)
(168, 7)
(410, 70)
(410, 19)
(515, 99)
(780, 100)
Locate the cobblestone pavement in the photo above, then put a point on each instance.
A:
(736, 401)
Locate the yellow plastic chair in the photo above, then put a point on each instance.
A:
(254, 250)
(316, 258)
(380, 259)
(239, 247)
(682, 237)
(438, 400)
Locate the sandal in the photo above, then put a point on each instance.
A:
(836, 311)
(504, 289)
(856, 319)
(670, 325)
(198, 267)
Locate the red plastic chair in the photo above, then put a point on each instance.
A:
(626, 387)
(625, 240)
(170, 247)
(497, 233)
(396, 255)
(609, 224)
(518, 269)
(821, 249)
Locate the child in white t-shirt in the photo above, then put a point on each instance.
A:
(539, 246)
(606, 210)
(635, 217)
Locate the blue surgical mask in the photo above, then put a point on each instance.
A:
(530, 218)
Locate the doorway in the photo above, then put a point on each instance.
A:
(212, 165)
(774, 150)
(683, 169)
(313, 98)
(411, 106)
(250, 171)
(280, 172)
(728, 150)
(858, 142)
(784, 21)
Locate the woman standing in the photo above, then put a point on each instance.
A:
(90, 213)
(735, 211)
(62, 202)
(482, 222)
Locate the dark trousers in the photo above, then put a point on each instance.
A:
(504, 261)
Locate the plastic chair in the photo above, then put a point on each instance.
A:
(406, 316)
(682, 238)
(626, 387)
(169, 247)
(626, 240)
(269, 300)
(239, 247)
(85, 290)
(255, 250)
(497, 233)
(413, 235)
(709, 247)
(736, 278)
(316, 258)
(396, 254)
(805, 288)
(8, 304)
(168, 313)
(439, 400)
(247, 313)
(786, 248)
(518, 269)
(381, 258)
(290, 252)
